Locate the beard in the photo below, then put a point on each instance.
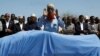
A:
(50, 16)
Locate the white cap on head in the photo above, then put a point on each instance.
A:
(33, 14)
(50, 5)
(87, 17)
(20, 16)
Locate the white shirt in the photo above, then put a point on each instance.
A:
(1, 26)
(81, 25)
(42, 28)
(55, 21)
(21, 26)
(7, 24)
(51, 26)
(95, 26)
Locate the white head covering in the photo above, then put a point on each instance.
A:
(33, 14)
(20, 16)
(51, 5)
(87, 17)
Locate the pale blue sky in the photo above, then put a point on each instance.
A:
(27, 7)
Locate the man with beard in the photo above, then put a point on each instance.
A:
(49, 21)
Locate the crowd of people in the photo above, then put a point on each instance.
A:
(49, 21)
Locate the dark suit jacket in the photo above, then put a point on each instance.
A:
(78, 30)
(1, 32)
(17, 27)
(32, 26)
(11, 27)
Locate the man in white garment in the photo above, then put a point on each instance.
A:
(50, 22)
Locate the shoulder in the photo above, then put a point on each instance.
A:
(17, 24)
(42, 18)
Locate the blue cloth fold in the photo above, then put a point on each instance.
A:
(42, 43)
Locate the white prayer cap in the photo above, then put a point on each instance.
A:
(33, 14)
(87, 17)
(50, 5)
(20, 16)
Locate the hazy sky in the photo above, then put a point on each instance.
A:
(27, 7)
